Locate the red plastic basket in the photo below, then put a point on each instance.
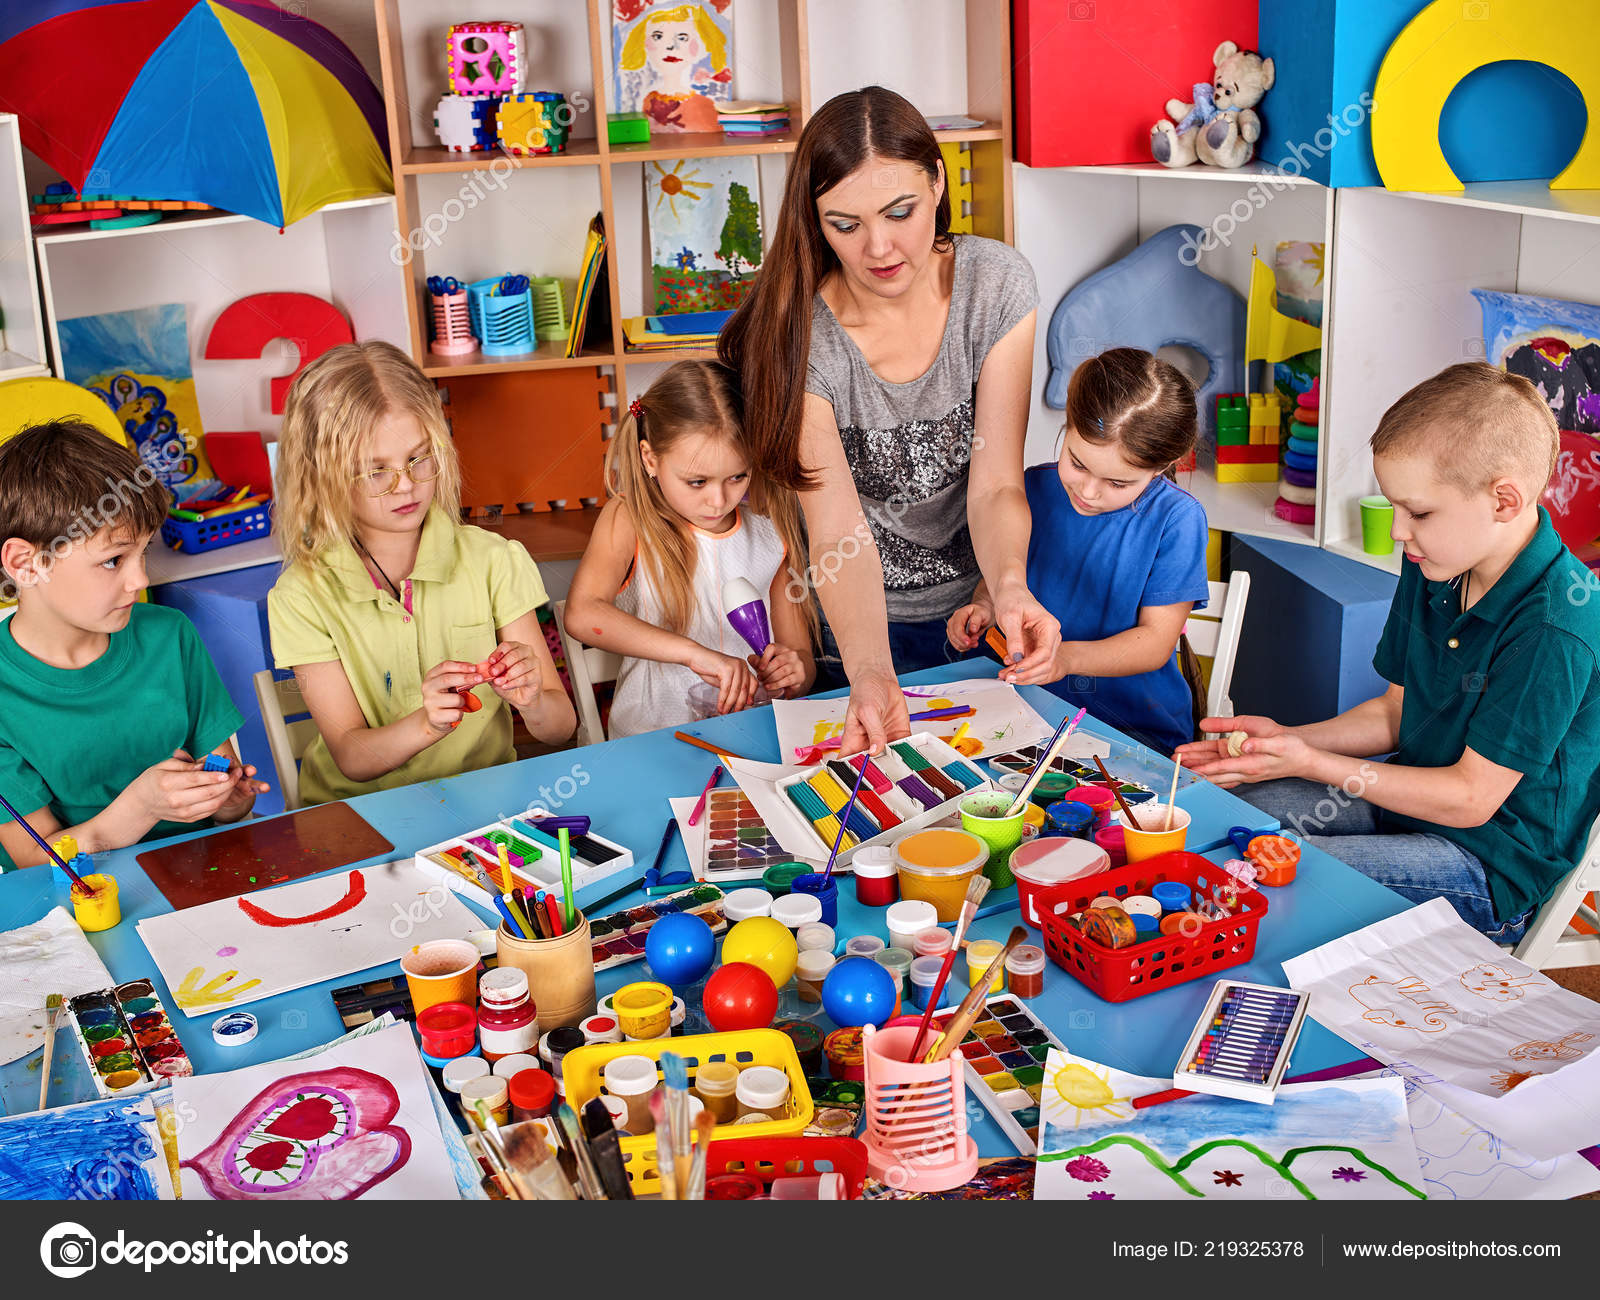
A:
(1118, 974)
(791, 1157)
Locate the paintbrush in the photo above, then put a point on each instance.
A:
(838, 839)
(1057, 742)
(49, 852)
(52, 1004)
(706, 745)
(1116, 793)
(489, 1139)
(977, 887)
(705, 1124)
(528, 1159)
(571, 1132)
(973, 1004)
(1177, 767)
(606, 1150)
(676, 1076)
(664, 1159)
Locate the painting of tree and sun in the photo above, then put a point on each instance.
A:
(1340, 1140)
(705, 232)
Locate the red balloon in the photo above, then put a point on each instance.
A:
(740, 996)
(1573, 497)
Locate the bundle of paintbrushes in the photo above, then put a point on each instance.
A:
(977, 887)
(587, 1160)
(680, 1144)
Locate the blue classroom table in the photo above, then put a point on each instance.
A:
(624, 786)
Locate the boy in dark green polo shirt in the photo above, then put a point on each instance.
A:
(1493, 648)
(102, 699)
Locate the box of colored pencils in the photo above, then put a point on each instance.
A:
(470, 863)
(915, 782)
(1241, 1044)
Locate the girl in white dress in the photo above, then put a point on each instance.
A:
(677, 527)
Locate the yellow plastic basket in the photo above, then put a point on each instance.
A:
(584, 1069)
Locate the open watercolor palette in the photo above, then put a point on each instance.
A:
(1005, 1052)
(127, 1038)
(738, 844)
(618, 938)
(914, 783)
(1242, 1042)
(533, 855)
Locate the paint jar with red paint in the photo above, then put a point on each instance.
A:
(507, 1022)
(1025, 970)
(533, 1095)
(448, 1030)
(877, 882)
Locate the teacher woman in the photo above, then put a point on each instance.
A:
(886, 367)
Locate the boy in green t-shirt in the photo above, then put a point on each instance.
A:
(103, 700)
(1492, 721)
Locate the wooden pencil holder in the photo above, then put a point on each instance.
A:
(560, 972)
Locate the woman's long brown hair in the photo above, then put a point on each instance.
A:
(768, 341)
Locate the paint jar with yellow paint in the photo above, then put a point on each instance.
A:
(980, 956)
(645, 1009)
(98, 908)
(935, 865)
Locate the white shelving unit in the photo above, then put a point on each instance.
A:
(22, 335)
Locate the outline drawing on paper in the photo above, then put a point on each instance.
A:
(1386, 1010)
(323, 1135)
(1498, 983)
(1560, 1050)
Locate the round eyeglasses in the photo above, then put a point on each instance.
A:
(384, 480)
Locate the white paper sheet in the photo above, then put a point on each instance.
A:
(1487, 1035)
(696, 842)
(1336, 1140)
(1003, 720)
(50, 956)
(353, 1122)
(239, 950)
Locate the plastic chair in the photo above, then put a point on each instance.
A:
(1214, 634)
(587, 667)
(290, 730)
(1551, 940)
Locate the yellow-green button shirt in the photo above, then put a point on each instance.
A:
(464, 587)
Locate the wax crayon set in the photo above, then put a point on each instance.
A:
(470, 863)
(127, 1038)
(1005, 1051)
(1241, 1044)
(619, 938)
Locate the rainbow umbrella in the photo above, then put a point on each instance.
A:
(235, 103)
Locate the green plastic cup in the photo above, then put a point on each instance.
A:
(1377, 518)
(983, 813)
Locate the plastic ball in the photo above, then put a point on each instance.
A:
(858, 991)
(680, 948)
(740, 996)
(765, 944)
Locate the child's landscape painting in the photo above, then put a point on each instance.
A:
(705, 232)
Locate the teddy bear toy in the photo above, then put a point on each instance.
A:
(1220, 127)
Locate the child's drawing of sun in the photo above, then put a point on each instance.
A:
(678, 184)
(1079, 1094)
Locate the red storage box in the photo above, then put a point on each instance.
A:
(791, 1157)
(1118, 974)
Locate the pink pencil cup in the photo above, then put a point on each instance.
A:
(916, 1115)
(452, 330)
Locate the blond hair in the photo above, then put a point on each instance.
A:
(709, 33)
(327, 426)
(690, 397)
(1475, 423)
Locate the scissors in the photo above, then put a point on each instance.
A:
(443, 284)
(513, 284)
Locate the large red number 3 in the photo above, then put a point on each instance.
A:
(245, 328)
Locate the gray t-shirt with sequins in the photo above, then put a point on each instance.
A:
(910, 445)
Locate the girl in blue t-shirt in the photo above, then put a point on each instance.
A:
(1118, 551)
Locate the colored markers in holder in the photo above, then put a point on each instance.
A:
(470, 863)
(1241, 1044)
(127, 1038)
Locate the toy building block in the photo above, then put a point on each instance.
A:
(1247, 473)
(533, 123)
(466, 123)
(1253, 454)
(1266, 418)
(486, 59)
(627, 128)
(1233, 420)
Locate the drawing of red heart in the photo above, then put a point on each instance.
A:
(270, 1155)
(305, 1121)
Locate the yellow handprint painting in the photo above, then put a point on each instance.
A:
(192, 995)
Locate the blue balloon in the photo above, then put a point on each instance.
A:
(858, 991)
(680, 948)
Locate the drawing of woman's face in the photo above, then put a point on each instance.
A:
(672, 49)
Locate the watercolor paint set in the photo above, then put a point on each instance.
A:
(127, 1038)
(1005, 1051)
(618, 938)
(1027, 758)
(470, 863)
(913, 783)
(1241, 1044)
(739, 846)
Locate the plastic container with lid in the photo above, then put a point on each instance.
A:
(448, 1029)
(601, 1028)
(909, 918)
(897, 961)
(809, 972)
(935, 866)
(924, 975)
(795, 910)
(633, 1078)
(741, 904)
(559, 1042)
(875, 873)
(980, 956)
(715, 1083)
(1040, 863)
(933, 942)
(822, 887)
(1025, 971)
(814, 934)
(493, 1091)
(507, 1021)
(1110, 839)
(645, 1009)
(809, 1187)
(863, 945)
(762, 1090)
(508, 1067)
(461, 1068)
(532, 1094)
